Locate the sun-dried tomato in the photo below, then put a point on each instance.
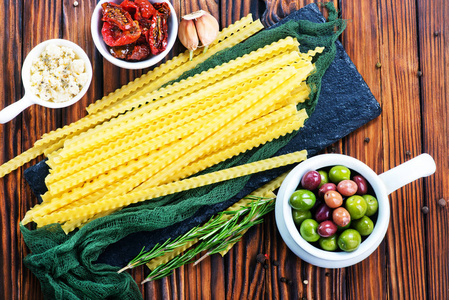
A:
(135, 28)
(139, 52)
(130, 6)
(121, 52)
(114, 36)
(131, 51)
(146, 8)
(114, 14)
(158, 34)
(163, 9)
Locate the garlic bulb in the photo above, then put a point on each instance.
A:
(195, 27)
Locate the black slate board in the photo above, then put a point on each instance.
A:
(345, 104)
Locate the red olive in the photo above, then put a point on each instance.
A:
(362, 185)
(327, 228)
(311, 180)
(322, 213)
(341, 217)
(326, 187)
(333, 199)
(347, 187)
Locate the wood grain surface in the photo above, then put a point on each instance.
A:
(401, 50)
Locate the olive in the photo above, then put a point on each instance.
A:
(373, 205)
(323, 213)
(341, 216)
(326, 187)
(364, 226)
(299, 216)
(340, 229)
(362, 185)
(311, 180)
(356, 206)
(349, 240)
(328, 243)
(302, 200)
(324, 177)
(318, 202)
(339, 173)
(308, 230)
(333, 199)
(327, 228)
(347, 188)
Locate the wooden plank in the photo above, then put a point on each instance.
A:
(232, 11)
(42, 23)
(401, 140)
(11, 143)
(366, 280)
(434, 54)
(276, 10)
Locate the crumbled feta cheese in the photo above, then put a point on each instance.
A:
(57, 75)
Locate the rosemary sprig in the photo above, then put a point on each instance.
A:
(214, 236)
(169, 245)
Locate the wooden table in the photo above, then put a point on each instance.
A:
(400, 48)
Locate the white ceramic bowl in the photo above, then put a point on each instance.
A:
(96, 25)
(382, 185)
(29, 98)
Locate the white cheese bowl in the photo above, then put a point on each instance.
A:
(11, 111)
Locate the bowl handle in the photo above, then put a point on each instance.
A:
(420, 166)
(12, 110)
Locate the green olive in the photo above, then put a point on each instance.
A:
(309, 230)
(328, 243)
(339, 173)
(349, 240)
(302, 200)
(364, 226)
(299, 216)
(356, 206)
(324, 178)
(373, 205)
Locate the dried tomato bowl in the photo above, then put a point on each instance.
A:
(96, 26)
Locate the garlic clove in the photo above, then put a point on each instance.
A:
(188, 36)
(194, 15)
(207, 28)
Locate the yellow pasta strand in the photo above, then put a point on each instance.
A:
(228, 123)
(201, 81)
(142, 145)
(89, 120)
(56, 201)
(311, 53)
(175, 73)
(230, 37)
(20, 160)
(124, 200)
(284, 127)
(274, 79)
(165, 69)
(158, 141)
(104, 135)
(279, 129)
(234, 112)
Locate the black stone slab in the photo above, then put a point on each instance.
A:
(345, 104)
